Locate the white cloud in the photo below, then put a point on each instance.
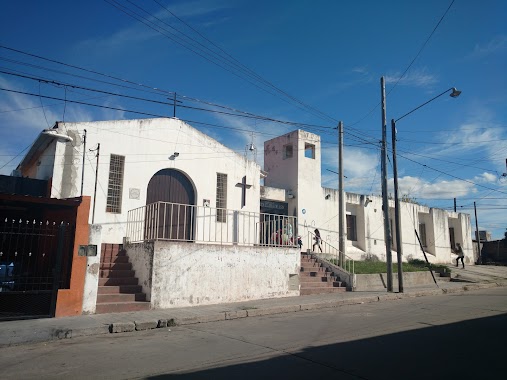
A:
(30, 114)
(486, 177)
(497, 44)
(359, 166)
(415, 78)
(360, 70)
(420, 188)
(162, 20)
(474, 137)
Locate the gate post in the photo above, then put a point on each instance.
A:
(57, 268)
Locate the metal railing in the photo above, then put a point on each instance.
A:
(165, 221)
(329, 253)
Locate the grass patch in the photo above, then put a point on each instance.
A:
(374, 267)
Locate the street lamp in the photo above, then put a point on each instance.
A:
(399, 247)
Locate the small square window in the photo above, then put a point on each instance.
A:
(287, 151)
(309, 151)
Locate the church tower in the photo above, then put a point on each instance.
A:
(293, 163)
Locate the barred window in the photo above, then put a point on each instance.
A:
(115, 184)
(221, 203)
(351, 228)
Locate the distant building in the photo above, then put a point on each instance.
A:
(485, 235)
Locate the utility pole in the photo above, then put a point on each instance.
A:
(341, 198)
(397, 217)
(96, 177)
(84, 156)
(477, 236)
(454, 204)
(385, 201)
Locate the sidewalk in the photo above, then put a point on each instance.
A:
(42, 330)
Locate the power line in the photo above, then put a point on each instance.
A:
(453, 176)
(408, 67)
(244, 115)
(161, 30)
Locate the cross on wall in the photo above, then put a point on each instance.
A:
(243, 186)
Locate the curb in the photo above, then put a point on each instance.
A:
(53, 334)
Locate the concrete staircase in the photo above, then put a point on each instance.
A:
(315, 279)
(119, 289)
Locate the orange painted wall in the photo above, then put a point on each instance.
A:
(70, 301)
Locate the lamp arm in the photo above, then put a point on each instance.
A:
(422, 105)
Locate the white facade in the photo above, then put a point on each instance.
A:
(293, 163)
(292, 170)
(147, 145)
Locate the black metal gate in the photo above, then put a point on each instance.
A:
(35, 261)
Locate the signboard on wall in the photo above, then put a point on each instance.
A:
(274, 207)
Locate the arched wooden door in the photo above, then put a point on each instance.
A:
(175, 218)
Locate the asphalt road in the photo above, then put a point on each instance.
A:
(462, 336)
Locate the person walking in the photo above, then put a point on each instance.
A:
(461, 255)
(318, 239)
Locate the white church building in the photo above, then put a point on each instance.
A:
(155, 173)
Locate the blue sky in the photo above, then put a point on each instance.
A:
(329, 55)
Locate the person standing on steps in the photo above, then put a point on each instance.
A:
(317, 239)
(461, 255)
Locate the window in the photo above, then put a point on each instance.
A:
(309, 151)
(351, 228)
(287, 151)
(221, 203)
(422, 234)
(115, 184)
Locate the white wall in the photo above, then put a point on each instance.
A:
(273, 193)
(303, 176)
(141, 257)
(92, 275)
(147, 145)
(196, 274)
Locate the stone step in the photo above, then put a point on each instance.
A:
(125, 289)
(320, 278)
(120, 297)
(109, 256)
(117, 273)
(121, 307)
(115, 259)
(330, 284)
(312, 269)
(118, 281)
(323, 290)
(115, 266)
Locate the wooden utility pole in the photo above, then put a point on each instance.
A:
(478, 238)
(385, 201)
(341, 197)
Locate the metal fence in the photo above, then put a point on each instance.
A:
(327, 252)
(35, 261)
(188, 223)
